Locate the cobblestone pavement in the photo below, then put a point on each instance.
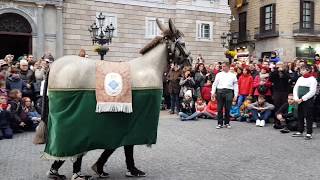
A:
(187, 150)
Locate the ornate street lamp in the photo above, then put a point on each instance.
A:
(101, 35)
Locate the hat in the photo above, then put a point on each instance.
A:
(23, 62)
(188, 93)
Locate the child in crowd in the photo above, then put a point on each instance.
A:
(200, 106)
(5, 129)
(245, 83)
(246, 114)
(206, 91)
(187, 105)
(212, 108)
(31, 112)
(234, 111)
(261, 111)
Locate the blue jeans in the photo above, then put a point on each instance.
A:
(174, 101)
(186, 117)
(241, 98)
(265, 115)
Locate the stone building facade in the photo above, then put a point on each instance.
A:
(290, 27)
(61, 27)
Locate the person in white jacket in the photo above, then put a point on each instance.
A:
(303, 94)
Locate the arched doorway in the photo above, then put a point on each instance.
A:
(15, 35)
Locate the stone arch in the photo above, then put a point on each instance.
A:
(23, 14)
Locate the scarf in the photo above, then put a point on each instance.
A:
(307, 75)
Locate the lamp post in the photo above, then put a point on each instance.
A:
(228, 40)
(101, 35)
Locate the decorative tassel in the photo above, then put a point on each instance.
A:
(41, 134)
(113, 107)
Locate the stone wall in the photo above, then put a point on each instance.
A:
(80, 14)
(287, 13)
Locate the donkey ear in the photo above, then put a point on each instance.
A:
(161, 26)
(180, 34)
(172, 27)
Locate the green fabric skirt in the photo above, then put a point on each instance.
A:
(74, 127)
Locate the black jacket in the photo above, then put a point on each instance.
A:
(280, 80)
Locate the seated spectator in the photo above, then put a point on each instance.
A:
(287, 116)
(15, 82)
(31, 112)
(212, 108)
(3, 90)
(246, 114)
(5, 129)
(187, 105)
(200, 106)
(261, 111)
(234, 112)
(19, 120)
(206, 91)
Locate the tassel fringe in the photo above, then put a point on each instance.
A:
(113, 107)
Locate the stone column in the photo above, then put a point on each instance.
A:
(40, 45)
(59, 32)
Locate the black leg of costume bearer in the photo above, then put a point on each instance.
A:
(128, 150)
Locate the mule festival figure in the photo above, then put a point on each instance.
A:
(73, 125)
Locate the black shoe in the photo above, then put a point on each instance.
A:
(100, 174)
(53, 174)
(285, 130)
(134, 172)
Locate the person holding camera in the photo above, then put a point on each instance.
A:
(287, 116)
(261, 111)
(186, 83)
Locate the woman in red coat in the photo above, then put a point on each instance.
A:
(262, 84)
(245, 83)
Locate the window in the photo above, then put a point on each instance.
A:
(268, 18)
(110, 19)
(205, 3)
(152, 28)
(243, 26)
(307, 14)
(204, 30)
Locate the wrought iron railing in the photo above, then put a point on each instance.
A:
(304, 29)
(266, 32)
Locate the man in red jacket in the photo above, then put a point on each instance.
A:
(245, 86)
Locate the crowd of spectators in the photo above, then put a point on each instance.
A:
(20, 97)
(265, 95)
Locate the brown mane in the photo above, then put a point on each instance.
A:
(151, 45)
(155, 42)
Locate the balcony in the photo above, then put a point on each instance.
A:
(244, 36)
(300, 31)
(262, 33)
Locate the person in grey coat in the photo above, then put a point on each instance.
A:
(261, 111)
